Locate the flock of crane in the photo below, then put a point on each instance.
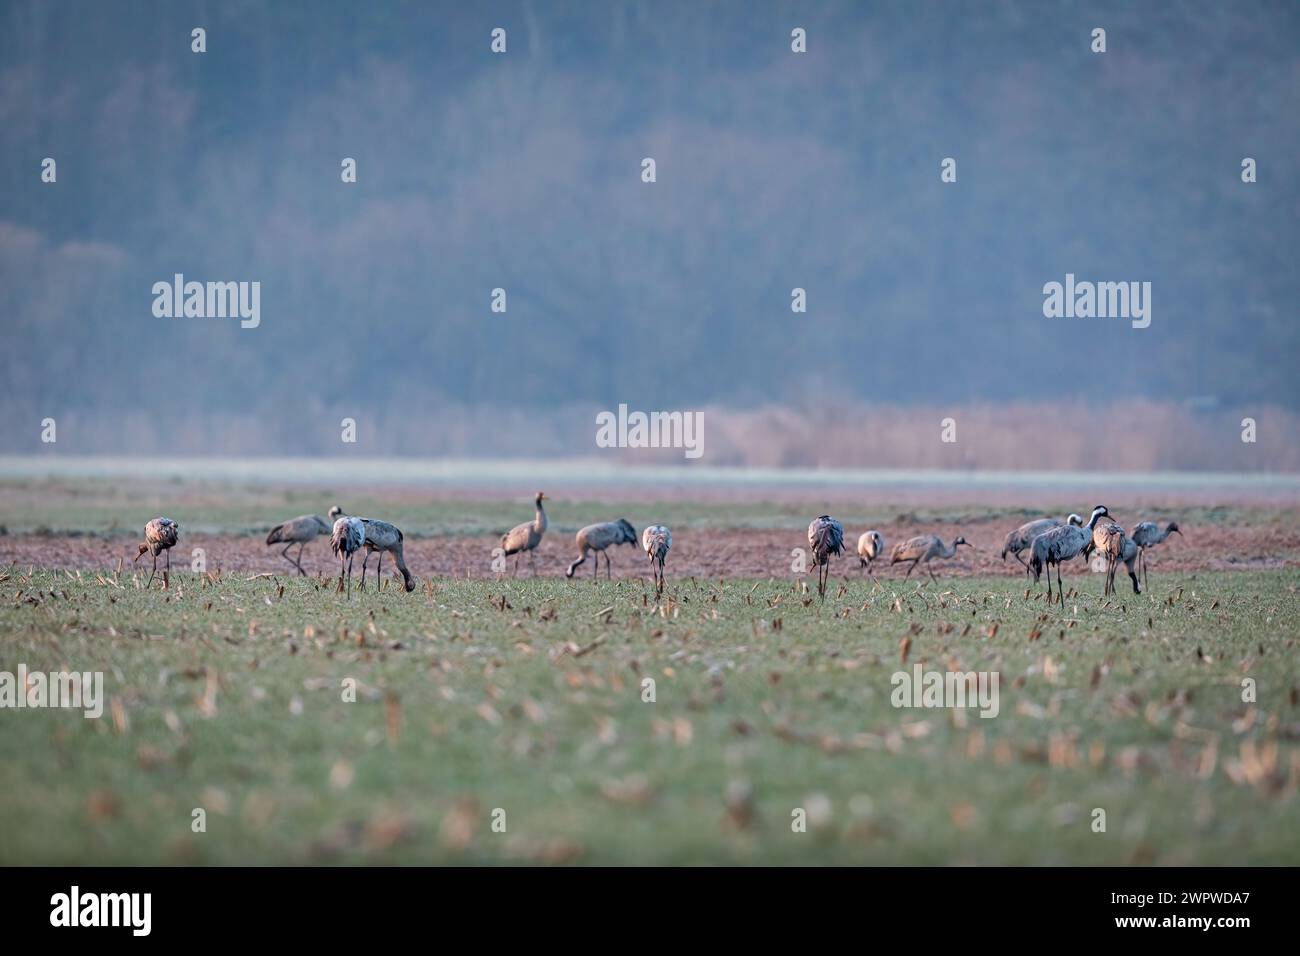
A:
(1049, 542)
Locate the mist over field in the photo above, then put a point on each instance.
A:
(775, 171)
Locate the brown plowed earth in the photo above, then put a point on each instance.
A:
(740, 553)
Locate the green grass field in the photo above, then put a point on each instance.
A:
(527, 696)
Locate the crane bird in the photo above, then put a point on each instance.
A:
(299, 531)
(1148, 535)
(160, 535)
(825, 537)
(598, 538)
(1059, 545)
(1023, 537)
(347, 538)
(925, 547)
(870, 546)
(527, 536)
(656, 540)
(381, 536)
(1109, 538)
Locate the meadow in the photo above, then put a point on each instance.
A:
(227, 694)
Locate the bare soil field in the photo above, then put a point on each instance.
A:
(702, 552)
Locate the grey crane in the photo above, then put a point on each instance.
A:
(300, 531)
(1148, 535)
(924, 548)
(1021, 539)
(825, 537)
(160, 535)
(599, 538)
(347, 538)
(871, 545)
(526, 536)
(384, 537)
(1059, 545)
(656, 540)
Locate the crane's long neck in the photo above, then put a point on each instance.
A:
(948, 551)
(1092, 523)
(540, 521)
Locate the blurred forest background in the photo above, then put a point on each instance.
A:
(775, 171)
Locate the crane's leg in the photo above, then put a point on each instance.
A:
(1145, 583)
(379, 572)
(155, 570)
(609, 569)
(1060, 585)
(912, 568)
(931, 570)
(595, 570)
(364, 562)
(532, 560)
(516, 564)
(343, 560)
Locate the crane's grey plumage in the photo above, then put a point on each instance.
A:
(1059, 545)
(300, 531)
(924, 548)
(656, 540)
(1023, 537)
(527, 536)
(384, 537)
(598, 538)
(347, 538)
(160, 535)
(825, 538)
(1148, 535)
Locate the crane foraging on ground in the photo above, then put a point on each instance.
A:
(160, 535)
(599, 538)
(825, 537)
(384, 537)
(870, 546)
(1148, 535)
(527, 536)
(656, 540)
(1058, 545)
(924, 548)
(300, 531)
(347, 538)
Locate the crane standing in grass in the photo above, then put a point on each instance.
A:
(925, 548)
(382, 536)
(1109, 539)
(825, 537)
(1148, 535)
(527, 536)
(1023, 537)
(656, 540)
(347, 538)
(599, 538)
(1059, 545)
(300, 531)
(160, 535)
